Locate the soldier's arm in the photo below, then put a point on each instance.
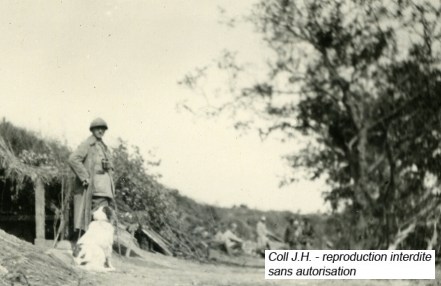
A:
(109, 155)
(234, 237)
(111, 166)
(76, 160)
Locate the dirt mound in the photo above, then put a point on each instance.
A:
(21, 263)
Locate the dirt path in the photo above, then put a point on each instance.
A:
(162, 271)
(24, 264)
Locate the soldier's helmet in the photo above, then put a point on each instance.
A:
(98, 122)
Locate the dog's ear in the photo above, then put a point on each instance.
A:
(109, 213)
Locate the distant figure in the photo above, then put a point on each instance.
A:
(233, 243)
(307, 234)
(262, 232)
(293, 234)
(228, 240)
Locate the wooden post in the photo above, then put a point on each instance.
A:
(39, 213)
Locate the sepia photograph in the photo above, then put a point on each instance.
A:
(217, 143)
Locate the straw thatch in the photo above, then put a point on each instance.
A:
(17, 171)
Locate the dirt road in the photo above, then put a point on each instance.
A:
(22, 263)
(162, 271)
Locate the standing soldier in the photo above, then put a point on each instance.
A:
(262, 232)
(293, 234)
(92, 165)
(307, 234)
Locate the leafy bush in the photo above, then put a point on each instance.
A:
(136, 189)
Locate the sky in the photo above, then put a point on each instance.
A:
(63, 63)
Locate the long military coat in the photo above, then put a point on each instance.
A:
(85, 162)
(262, 233)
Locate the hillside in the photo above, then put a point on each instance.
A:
(197, 214)
(141, 198)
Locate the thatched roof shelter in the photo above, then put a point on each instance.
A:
(24, 154)
(18, 171)
(29, 163)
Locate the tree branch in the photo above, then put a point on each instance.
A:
(402, 235)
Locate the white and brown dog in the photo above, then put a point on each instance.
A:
(94, 249)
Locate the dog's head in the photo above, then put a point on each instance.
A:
(103, 213)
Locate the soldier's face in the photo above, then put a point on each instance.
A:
(98, 132)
